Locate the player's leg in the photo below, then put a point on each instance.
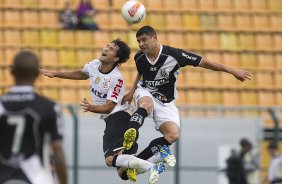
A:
(158, 151)
(130, 161)
(167, 120)
(144, 103)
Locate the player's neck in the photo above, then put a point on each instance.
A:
(106, 68)
(24, 83)
(154, 53)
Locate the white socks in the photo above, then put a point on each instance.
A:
(155, 158)
(130, 161)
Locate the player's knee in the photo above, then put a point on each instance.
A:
(148, 106)
(109, 161)
(172, 137)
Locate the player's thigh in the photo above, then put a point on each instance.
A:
(116, 125)
(166, 117)
(143, 98)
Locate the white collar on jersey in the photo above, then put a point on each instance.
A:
(22, 89)
(154, 62)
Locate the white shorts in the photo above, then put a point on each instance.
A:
(161, 112)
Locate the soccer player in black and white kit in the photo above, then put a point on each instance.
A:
(155, 93)
(29, 125)
(107, 89)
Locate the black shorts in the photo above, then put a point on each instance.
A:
(116, 125)
(9, 175)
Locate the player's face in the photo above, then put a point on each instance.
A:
(108, 53)
(147, 43)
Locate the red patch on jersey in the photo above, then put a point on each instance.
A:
(117, 89)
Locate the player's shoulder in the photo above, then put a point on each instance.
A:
(138, 55)
(116, 73)
(44, 101)
(94, 63)
(169, 50)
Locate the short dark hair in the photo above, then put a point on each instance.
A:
(148, 30)
(272, 145)
(245, 142)
(25, 65)
(123, 52)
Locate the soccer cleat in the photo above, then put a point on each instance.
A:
(129, 138)
(155, 172)
(132, 174)
(167, 156)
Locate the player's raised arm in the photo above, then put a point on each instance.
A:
(241, 75)
(59, 161)
(128, 97)
(74, 74)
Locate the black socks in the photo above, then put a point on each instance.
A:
(153, 148)
(137, 119)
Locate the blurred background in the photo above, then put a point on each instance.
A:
(216, 110)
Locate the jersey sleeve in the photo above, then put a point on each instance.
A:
(185, 58)
(56, 123)
(117, 89)
(86, 69)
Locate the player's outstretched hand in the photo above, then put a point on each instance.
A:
(85, 105)
(127, 98)
(47, 73)
(242, 75)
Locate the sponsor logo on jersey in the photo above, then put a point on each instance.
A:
(189, 56)
(164, 73)
(152, 69)
(99, 94)
(155, 150)
(156, 83)
(97, 80)
(117, 89)
(159, 96)
(106, 83)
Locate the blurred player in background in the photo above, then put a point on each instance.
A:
(107, 91)
(275, 166)
(250, 160)
(29, 125)
(155, 94)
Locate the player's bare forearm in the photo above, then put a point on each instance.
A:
(60, 164)
(100, 109)
(128, 97)
(215, 66)
(105, 108)
(137, 79)
(74, 74)
(241, 75)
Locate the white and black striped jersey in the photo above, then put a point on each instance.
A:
(159, 77)
(28, 123)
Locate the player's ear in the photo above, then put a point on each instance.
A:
(13, 71)
(155, 36)
(116, 59)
